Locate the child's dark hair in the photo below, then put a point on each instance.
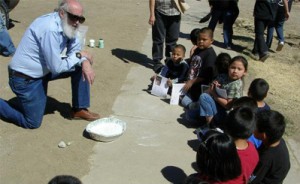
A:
(240, 123)
(217, 157)
(241, 59)
(64, 179)
(208, 31)
(272, 123)
(180, 47)
(194, 35)
(222, 63)
(258, 89)
(245, 101)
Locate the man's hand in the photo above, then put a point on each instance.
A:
(88, 72)
(87, 55)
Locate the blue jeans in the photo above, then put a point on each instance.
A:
(210, 108)
(7, 47)
(229, 18)
(165, 29)
(278, 25)
(32, 98)
(207, 105)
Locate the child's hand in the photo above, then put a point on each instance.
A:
(187, 85)
(216, 83)
(153, 77)
(169, 82)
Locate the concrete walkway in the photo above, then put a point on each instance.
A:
(157, 146)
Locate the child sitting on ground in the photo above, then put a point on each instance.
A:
(217, 160)
(201, 67)
(194, 37)
(249, 102)
(240, 125)
(211, 104)
(222, 63)
(274, 161)
(258, 90)
(221, 67)
(175, 68)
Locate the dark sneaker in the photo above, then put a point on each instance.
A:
(264, 57)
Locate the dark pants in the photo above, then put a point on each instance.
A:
(165, 29)
(260, 46)
(216, 15)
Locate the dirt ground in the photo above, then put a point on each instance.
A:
(32, 156)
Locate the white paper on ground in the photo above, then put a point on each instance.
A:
(160, 87)
(176, 92)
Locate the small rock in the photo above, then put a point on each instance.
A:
(62, 144)
(69, 143)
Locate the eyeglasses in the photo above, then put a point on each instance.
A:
(75, 18)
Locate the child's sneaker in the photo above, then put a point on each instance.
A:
(280, 46)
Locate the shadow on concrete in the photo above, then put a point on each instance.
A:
(183, 121)
(194, 144)
(236, 48)
(63, 108)
(174, 174)
(128, 56)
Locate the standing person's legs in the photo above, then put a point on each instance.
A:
(172, 32)
(280, 19)
(31, 95)
(7, 47)
(228, 20)
(216, 15)
(260, 45)
(270, 32)
(158, 37)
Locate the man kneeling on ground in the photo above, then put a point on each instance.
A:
(38, 60)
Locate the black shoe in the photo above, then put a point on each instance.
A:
(264, 57)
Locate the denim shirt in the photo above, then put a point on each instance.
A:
(39, 51)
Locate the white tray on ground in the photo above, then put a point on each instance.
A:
(106, 129)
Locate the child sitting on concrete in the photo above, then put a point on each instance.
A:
(194, 38)
(201, 69)
(258, 90)
(211, 103)
(217, 160)
(175, 68)
(274, 161)
(240, 125)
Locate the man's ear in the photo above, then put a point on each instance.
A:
(61, 13)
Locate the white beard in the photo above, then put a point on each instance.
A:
(68, 30)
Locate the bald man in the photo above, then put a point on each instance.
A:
(38, 60)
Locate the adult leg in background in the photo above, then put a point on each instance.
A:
(172, 32)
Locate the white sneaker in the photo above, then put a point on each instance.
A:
(280, 46)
